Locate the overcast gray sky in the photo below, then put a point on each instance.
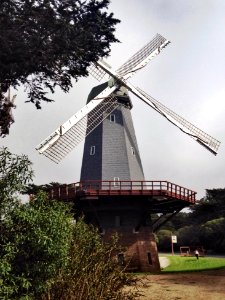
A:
(188, 77)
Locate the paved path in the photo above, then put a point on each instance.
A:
(164, 262)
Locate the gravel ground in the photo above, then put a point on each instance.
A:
(203, 285)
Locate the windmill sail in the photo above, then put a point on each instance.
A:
(97, 72)
(135, 63)
(63, 140)
(68, 135)
(142, 57)
(199, 135)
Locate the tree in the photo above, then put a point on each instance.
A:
(34, 245)
(32, 188)
(212, 206)
(164, 239)
(15, 173)
(212, 234)
(189, 236)
(47, 43)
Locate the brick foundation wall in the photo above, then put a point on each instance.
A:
(141, 249)
(131, 220)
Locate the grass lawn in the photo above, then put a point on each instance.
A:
(191, 264)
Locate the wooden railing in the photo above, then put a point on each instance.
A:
(125, 188)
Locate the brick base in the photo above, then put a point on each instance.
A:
(131, 220)
(140, 248)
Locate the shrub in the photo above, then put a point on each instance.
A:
(92, 273)
(34, 244)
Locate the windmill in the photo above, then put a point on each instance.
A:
(113, 193)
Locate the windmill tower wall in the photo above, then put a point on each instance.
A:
(111, 150)
(111, 154)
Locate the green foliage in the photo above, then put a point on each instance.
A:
(191, 264)
(212, 206)
(164, 239)
(45, 44)
(15, 173)
(43, 254)
(204, 225)
(212, 233)
(34, 188)
(92, 274)
(34, 244)
(180, 220)
(189, 236)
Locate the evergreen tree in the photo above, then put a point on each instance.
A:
(47, 43)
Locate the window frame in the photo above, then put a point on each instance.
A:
(92, 150)
(112, 118)
(116, 181)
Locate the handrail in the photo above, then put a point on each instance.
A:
(124, 187)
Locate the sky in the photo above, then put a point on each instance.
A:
(188, 77)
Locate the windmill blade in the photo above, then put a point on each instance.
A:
(65, 138)
(199, 135)
(142, 57)
(97, 72)
(136, 62)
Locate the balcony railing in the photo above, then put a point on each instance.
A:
(123, 188)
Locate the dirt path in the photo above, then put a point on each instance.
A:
(203, 285)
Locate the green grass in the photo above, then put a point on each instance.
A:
(191, 264)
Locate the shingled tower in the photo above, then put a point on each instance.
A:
(111, 154)
(111, 150)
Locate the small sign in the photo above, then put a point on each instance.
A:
(174, 239)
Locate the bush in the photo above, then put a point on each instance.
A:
(92, 272)
(43, 253)
(34, 244)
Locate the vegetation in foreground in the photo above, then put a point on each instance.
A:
(44, 254)
(191, 264)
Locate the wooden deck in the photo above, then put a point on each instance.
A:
(94, 189)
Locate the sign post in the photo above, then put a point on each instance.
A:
(173, 241)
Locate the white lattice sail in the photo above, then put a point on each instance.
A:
(97, 72)
(199, 135)
(72, 132)
(63, 140)
(143, 56)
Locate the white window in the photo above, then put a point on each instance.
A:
(116, 181)
(92, 150)
(132, 150)
(112, 118)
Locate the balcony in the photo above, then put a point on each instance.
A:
(158, 190)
